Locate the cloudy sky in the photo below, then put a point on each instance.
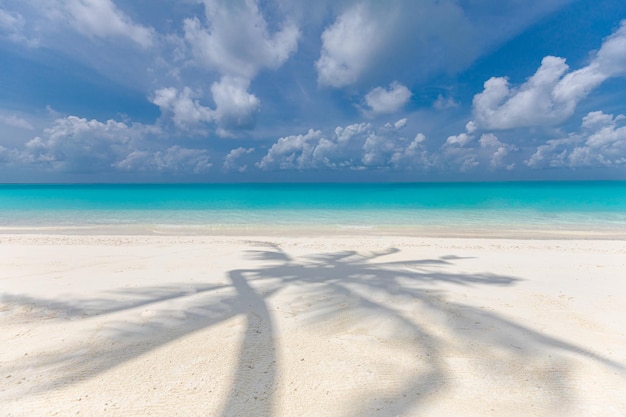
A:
(297, 90)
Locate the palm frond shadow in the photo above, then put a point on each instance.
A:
(346, 281)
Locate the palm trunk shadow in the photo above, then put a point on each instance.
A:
(255, 377)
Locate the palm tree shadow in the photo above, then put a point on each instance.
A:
(349, 277)
(345, 281)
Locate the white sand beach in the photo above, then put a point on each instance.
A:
(346, 326)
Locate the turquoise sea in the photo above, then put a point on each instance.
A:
(542, 209)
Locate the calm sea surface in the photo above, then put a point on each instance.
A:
(587, 209)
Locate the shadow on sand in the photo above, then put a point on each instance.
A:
(347, 282)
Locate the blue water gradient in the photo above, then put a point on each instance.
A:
(583, 206)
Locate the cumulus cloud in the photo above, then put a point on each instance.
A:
(387, 100)
(377, 150)
(344, 134)
(498, 151)
(462, 139)
(459, 158)
(293, 152)
(231, 162)
(209, 85)
(414, 155)
(174, 159)
(470, 126)
(552, 93)
(463, 151)
(385, 149)
(348, 46)
(77, 144)
(601, 142)
(355, 146)
(235, 107)
(238, 41)
(183, 106)
(102, 19)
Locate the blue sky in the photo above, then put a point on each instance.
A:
(343, 90)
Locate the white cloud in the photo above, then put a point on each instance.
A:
(461, 139)
(390, 100)
(355, 146)
(499, 151)
(237, 40)
(443, 103)
(77, 144)
(359, 43)
(611, 58)
(551, 94)
(349, 46)
(92, 36)
(183, 106)
(457, 158)
(237, 43)
(599, 143)
(370, 40)
(174, 159)
(231, 160)
(11, 21)
(414, 155)
(552, 154)
(102, 19)
(344, 134)
(597, 120)
(236, 108)
(469, 162)
(388, 148)
(489, 140)
(534, 103)
(378, 150)
(460, 150)
(292, 152)
(15, 121)
(12, 24)
(400, 123)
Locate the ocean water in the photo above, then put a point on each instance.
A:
(578, 209)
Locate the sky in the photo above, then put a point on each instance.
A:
(297, 90)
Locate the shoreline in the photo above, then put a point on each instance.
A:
(346, 326)
(325, 230)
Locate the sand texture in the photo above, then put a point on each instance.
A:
(337, 326)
